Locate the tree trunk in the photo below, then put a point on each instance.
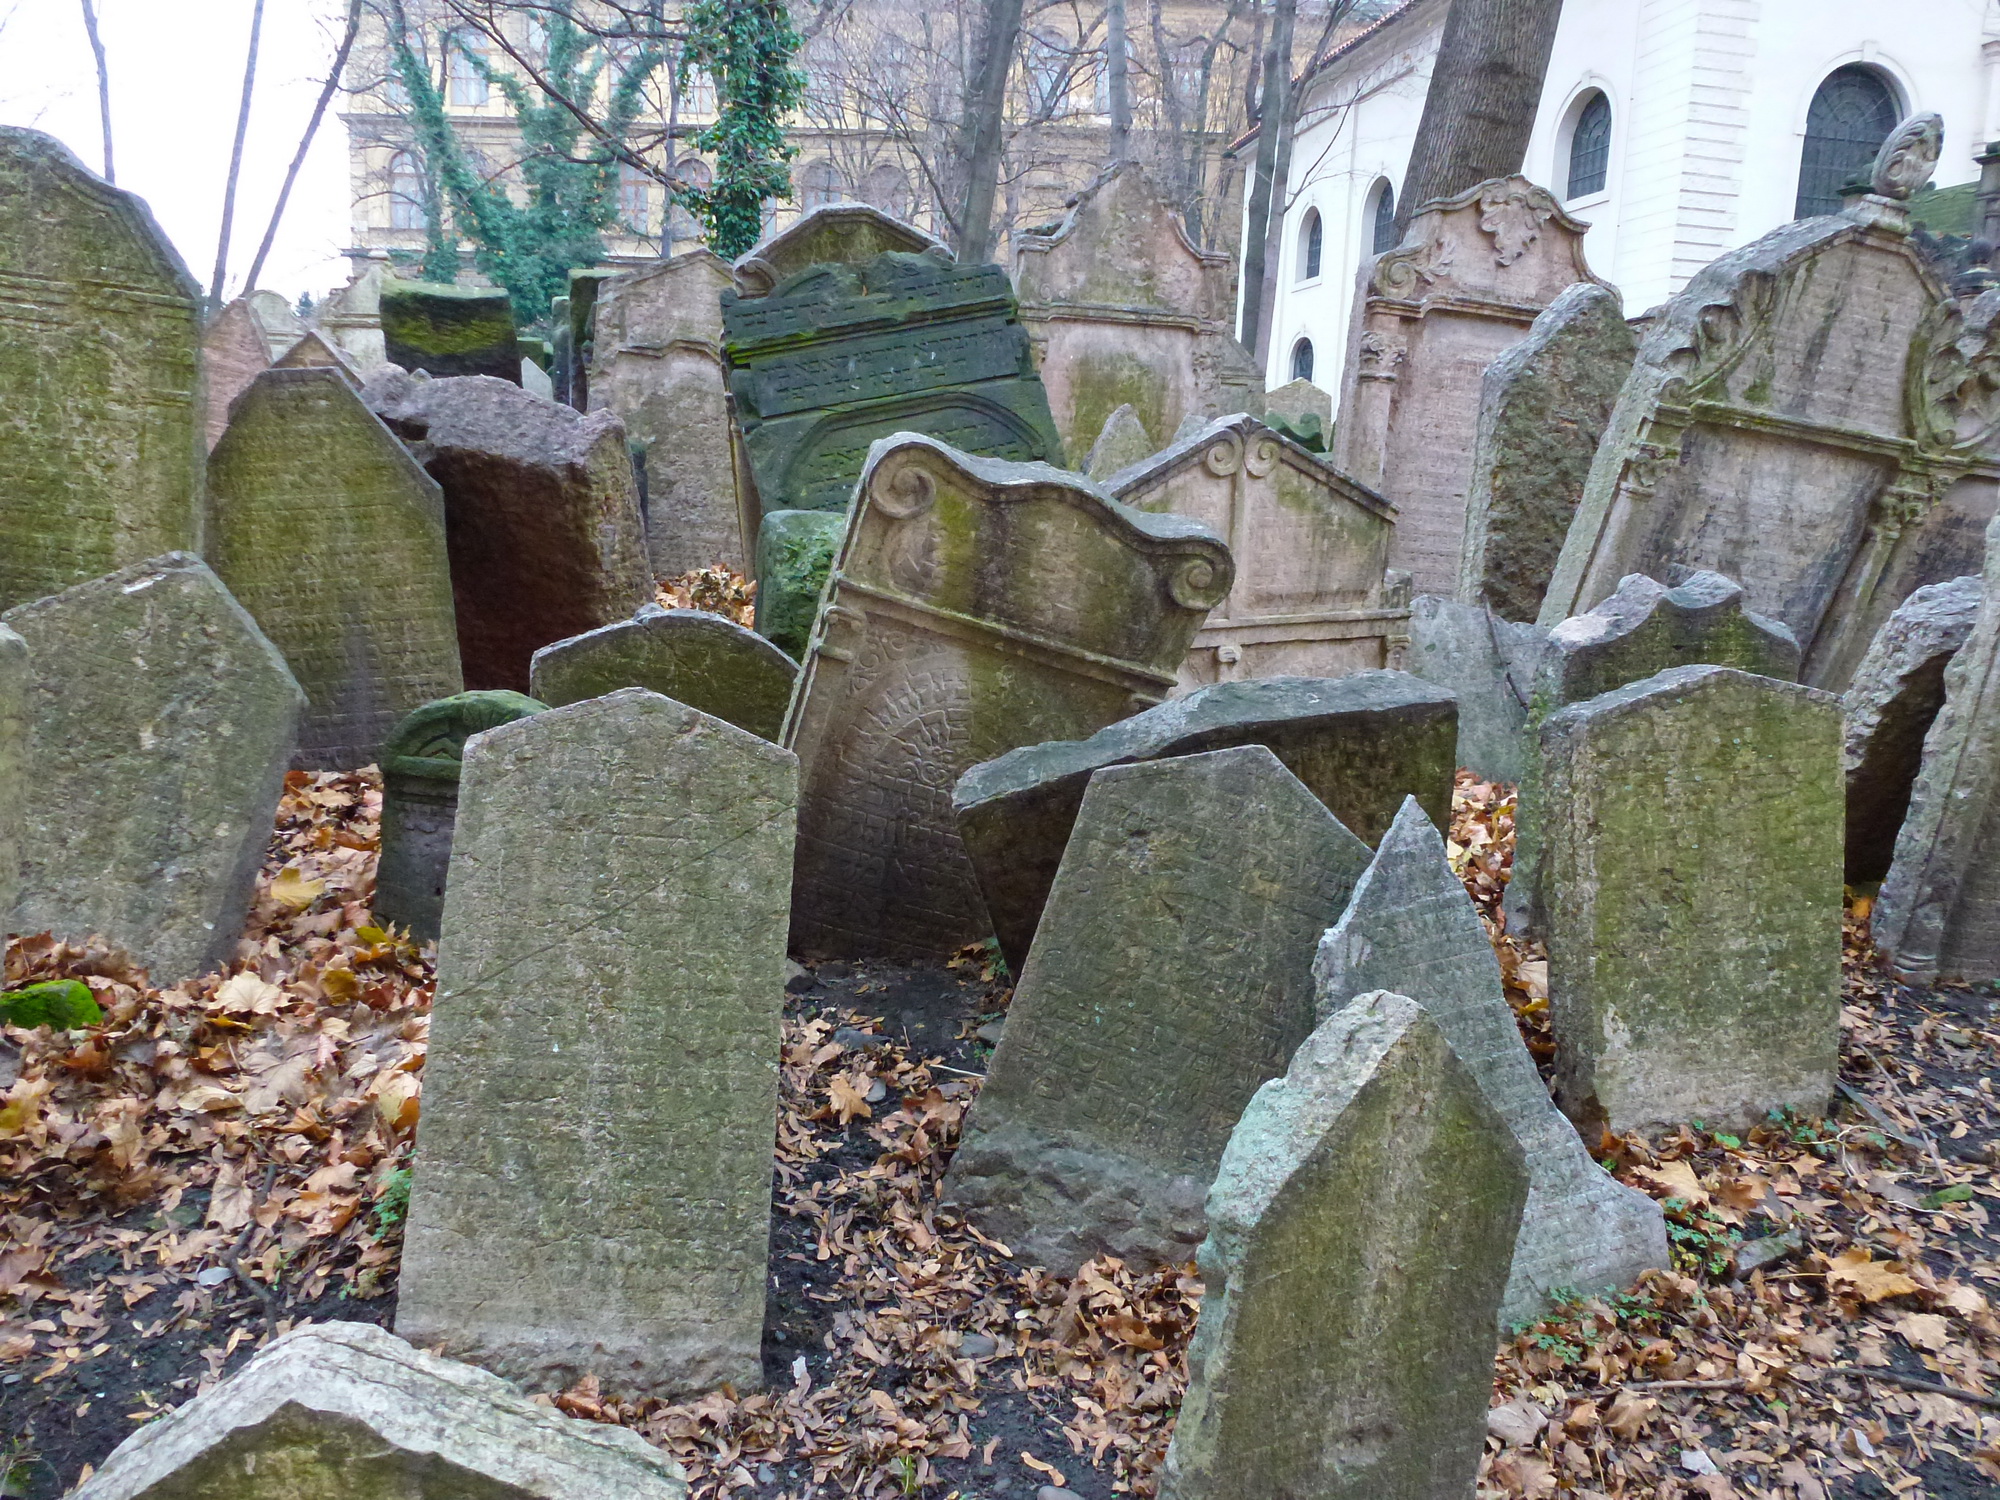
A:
(985, 115)
(1274, 231)
(306, 140)
(1485, 88)
(103, 86)
(236, 158)
(1272, 114)
(1118, 80)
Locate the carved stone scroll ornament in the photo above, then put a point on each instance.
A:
(1908, 157)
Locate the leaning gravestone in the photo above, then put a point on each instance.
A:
(795, 550)
(541, 512)
(1172, 976)
(332, 536)
(625, 1103)
(1360, 744)
(1360, 1229)
(1691, 879)
(100, 378)
(1123, 442)
(333, 1410)
(688, 655)
(14, 681)
(421, 764)
(160, 723)
(976, 606)
(1489, 664)
(1311, 598)
(450, 330)
(233, 353)
(1543, 406)
(1411, 928)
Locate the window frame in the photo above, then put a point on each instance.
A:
(1381, 194)
(1311, 248)
(1827, 200)
(1301, 346)
(1591, 97)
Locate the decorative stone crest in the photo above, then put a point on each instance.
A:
(1513, 212)
(1908, 157)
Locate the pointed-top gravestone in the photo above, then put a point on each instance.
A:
(313, 352)
(833, 234)
(1412, 928)
(1122, 443)
(14, 680)
(351, 317)
(1172, 975)
(233, 353)
(449, 331)
(689, 655)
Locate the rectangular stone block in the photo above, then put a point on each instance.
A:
(449, 331)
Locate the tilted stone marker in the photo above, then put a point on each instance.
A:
(333, 537)
(1360, 744)
(100, 342)
(1489, 664)
(795, 551)
(1311, 546)
(421, 763)
(1691, 877)
(976, 606)
(14, 682)
(346, 1409)
(1411, 928)
(1543, 407)
(1360, 1229)
(450, 331)
(689, 655)
(1172, 976)
(233, 353)
(1123, 442)
(592, 1187)
(160, 724)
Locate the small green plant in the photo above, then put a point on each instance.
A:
(1959, 1194)
(392, 1204)
(906, 1473)
(65, 1004)
(1698, 1241)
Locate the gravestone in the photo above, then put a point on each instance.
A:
(1311, 598)
(333, 1410)
(1472, 274)
(1360, 744)
(1800, 418)
(689, 655)
(657, 363)
(1889, 708)
(1360, 1229)
(584, 284)
(1543, 407)
(1489, 665)
(976, 606)
(1172, 976)
(449, 330)
(14, 681)
(795, 550)
(332, 536)
(846, 234)
(1302, 410)
(1123, 442)
(421, 764)
(1691, 878)
(313, 352)
(100, 377)
(233, 353)
(351, 318)
(160, 723)
(1412, 928)
(541, 515)
(626, 1103)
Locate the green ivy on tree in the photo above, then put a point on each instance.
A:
(746, 47)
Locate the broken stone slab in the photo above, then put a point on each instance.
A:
(1691, 880)
(338, 1410)
(160, 724)
(592, 1190)
(448, 331)
(1360, 1230)
(1122, 443)
(1489, 664)
(1412, 928)
(795, 550)
(689, 655)
(14, 682)
(1171, 977)
(1360, 744)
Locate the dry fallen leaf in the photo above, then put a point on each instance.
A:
(1049, 1469)
(1859, 1274)
(1676, 1179)
(291, 888)
(847, 1100)
(1924, 1330)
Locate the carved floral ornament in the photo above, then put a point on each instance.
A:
(1908, 157)
(1512, 213)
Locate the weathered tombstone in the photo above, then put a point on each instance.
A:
(535, 380)
(657, 362)
(233, 353)
(333, 537)
(1795, 420)
(160, 723)
(276, 320)
(976, 606)
(795, 550)
(1360, 1229)
(313, 352)
(1123, 442)
(450, 330)
(1172, 976)
(1125, 310)
(351, 318)
(1888, 709)
(1691, 878)
(847, 234)
(1311, 597)
(100, 379)
(1489, 664)
(332, 1410)
(1543, 407)
(1472, 274)
(421, 764)
(625, 1103)
(1360, 744)
(541, 515)
(1305, 410)
(14, 681)
(1411, 928)
(584, 284)
(689, 655)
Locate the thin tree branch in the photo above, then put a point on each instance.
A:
(236, 158)
(305, 142)
(103, 86)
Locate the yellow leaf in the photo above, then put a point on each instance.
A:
(208, 1097)
(291, 888)
(1861, 1275)
(1677, 1180)
(847, 1100)
(340, 983)
(1049, 1469)
(397, 1100)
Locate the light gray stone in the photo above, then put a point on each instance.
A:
(1122, 443)
(1304, 409)
(14, 682)
(1489, 664)
(592, 1188)
(1171, 976)
(1360, 1230)
(1412, 928)
(343, 1411)
(689, 655)
(160, 723)
(350, 319)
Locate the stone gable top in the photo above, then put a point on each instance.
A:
(1121, 237)
(836, 233)
(271, 383)
(1239, 431)
(1504, 241)
(624, 319)
(314, 352)
(43, 155)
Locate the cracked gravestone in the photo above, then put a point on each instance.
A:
(14, 681)
(448, 331)
(689, 655)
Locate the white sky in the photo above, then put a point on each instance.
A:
(176, 78)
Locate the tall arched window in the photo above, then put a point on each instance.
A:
(635, 198)
(1382, 217)
(1302, 360)
(466, 80)
(1851, 115)
(1590, 147)
(819, 185)
(1311, 238)
(692, 172)
(406, 192)
(888, 189)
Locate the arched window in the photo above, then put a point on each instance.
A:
(692, 172)
(1302, 360)
(1382, 217)
(819, 185)
(888, 189)
(1590, 147)
(1851, 115)
(1047, 73)
(1311, 236)
(466, 86)
(635, 198)
(406, 192)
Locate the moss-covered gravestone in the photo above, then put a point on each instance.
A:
(795, 551)
(1359, 1233)
(100, 383)
(313, 352)
(13, 767)
(450, 330)
(689, 655)
(592, 1190)
(332, 536)
(160, 724)
(1691, 877)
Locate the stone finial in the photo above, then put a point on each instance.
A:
(1908, 157)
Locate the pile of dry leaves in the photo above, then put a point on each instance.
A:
(716, 589)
